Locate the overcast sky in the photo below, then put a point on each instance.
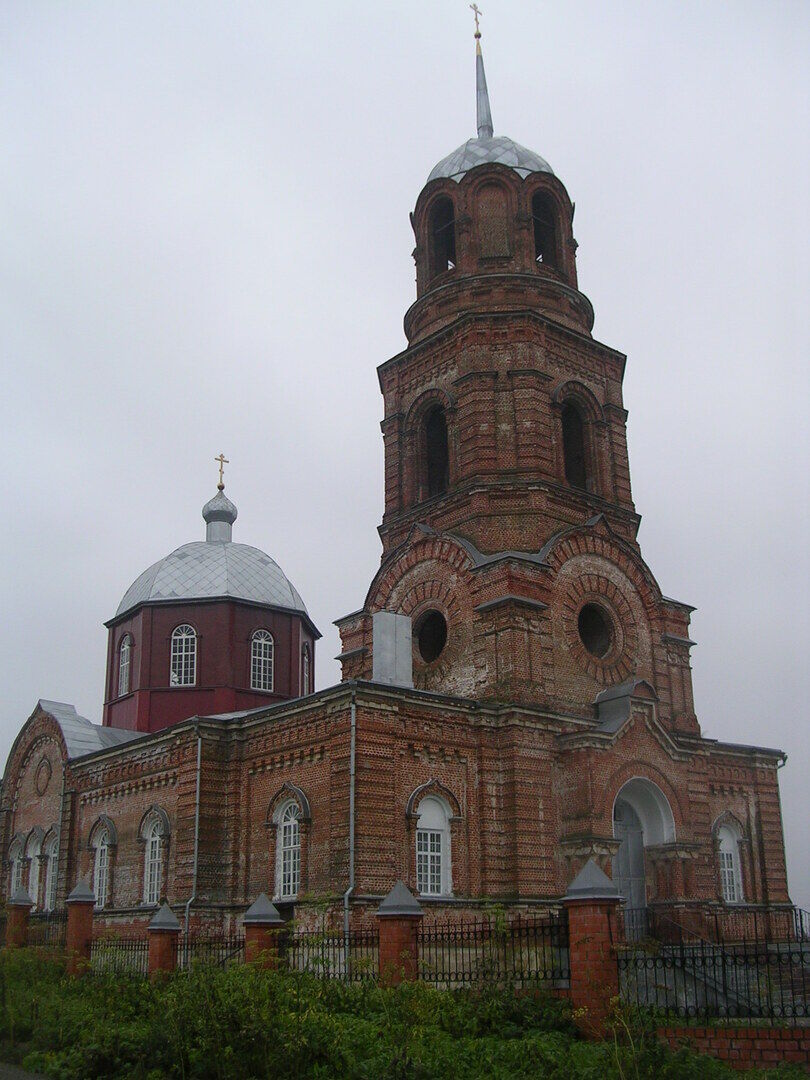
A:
(205, 246)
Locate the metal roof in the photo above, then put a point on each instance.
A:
(80, 735)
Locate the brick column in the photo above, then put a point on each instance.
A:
(263, 926)
(164, 932)
(592, 904)
(400, 914)
(19, 908)
(79, 933)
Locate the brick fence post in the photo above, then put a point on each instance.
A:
(79, 932)
(400, 914)
(592, 903)
(263, 925)
(164, 933)
(19, 908)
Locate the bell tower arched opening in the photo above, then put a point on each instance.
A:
(442, 236)
(437, 454)
(546, 246)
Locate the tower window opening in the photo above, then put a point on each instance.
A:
(573, 431)
(442, 236)
(545, 231)
(431, 636)
(436, 452)
(595, 630)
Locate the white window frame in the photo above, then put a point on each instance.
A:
(51, 874)
(101, 868)
(433, 866)
(288, 851)
(306, 671)
(17, 856)
(124, 665)
(32, 852)
(153, 862)
(183, 657)
(262, 660)
(728, 858)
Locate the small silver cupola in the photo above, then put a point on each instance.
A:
(219, 515)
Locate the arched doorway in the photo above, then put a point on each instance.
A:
(642, 817)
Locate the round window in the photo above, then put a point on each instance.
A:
(431, 635)
(595, 630)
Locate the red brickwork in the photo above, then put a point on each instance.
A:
(261, 945)
(399, 948)
(17, 925)
(78, 936)
(162, 951)
(744, 1047)
(594, 982)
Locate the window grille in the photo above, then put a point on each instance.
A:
(305, 671)
(123, 666)
(290, 847)
(261, 661)
(429, 861)
(101, 870)
(184, 656)
(51, 872)
(153, 864)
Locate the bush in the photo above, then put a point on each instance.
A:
(239, 1023)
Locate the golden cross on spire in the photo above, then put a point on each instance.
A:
(223, 461)
(474, 8)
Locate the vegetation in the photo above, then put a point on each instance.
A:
(238, 1023)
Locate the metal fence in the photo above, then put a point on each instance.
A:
(703, 922)
(521, 953)
(216, 951)
(120, 955)
(47, 928)
(332, 955)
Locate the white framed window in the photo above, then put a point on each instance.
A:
(15, 854)
(261, 660)
(433, 873)
(32, 851)
(153, 862)
(306, 670)
(101, 867)
(728, 855)
(288, 851)
(124, 658)
(51, 873)
(183, 656)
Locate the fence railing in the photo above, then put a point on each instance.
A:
(520, 953)
(120, 955)
(743, 979)
(218, 951)
(47, 928)
(674, 923)
(330, 954)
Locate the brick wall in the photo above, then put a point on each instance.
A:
(744, 1047)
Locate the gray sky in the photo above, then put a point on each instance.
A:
(205, 246)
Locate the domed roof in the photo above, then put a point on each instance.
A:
(502, 150)
(215, 567)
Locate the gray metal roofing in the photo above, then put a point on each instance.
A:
(205, 569)
(80, 734)
(498, 150)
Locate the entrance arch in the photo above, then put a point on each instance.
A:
(642, 817)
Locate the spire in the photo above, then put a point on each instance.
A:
(483, 114)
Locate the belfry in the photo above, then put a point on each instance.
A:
(516, 693)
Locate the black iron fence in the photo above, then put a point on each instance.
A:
(520, 953)
(217, 951)
(47, 928)
(674, 923)
(120, 955)
(332, 955)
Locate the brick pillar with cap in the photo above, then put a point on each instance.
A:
(263, 928)
(164, 933)
(19, 909)
(400, 915)
(592, 903)
(79, 932)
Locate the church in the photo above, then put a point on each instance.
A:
(516, 693)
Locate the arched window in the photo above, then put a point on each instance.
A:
(101, 866)
(17, 859)
(728, 856)
(545, 230)
(51, 855)
(573, 433)
(288, 851)
(261, 660)
(433, 875)
(184, 656)
(437, 457)
(124, 656)
(32, 852)
(442, 234)
(153, 833)
(306, 671)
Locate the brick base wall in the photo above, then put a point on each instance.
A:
(744, 1047)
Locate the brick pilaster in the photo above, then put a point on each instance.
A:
(591, 904)
(400, 915)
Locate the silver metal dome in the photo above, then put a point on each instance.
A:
(213, 568)
(484, 151)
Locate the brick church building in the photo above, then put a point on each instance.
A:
(516, 692)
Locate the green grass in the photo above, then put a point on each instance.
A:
(241, 1023)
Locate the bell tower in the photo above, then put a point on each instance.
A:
(509, 530)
